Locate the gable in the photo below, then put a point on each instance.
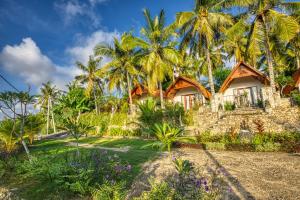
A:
(183, 83)
(240, 71)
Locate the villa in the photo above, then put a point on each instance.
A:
(188, 92)
(243, 86)
(140, 93)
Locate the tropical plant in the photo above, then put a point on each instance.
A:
(46, 100)
(9, 104)
(92, 77)
(33, 126)
(200, 28)
(122, 68)
(70, 107)
(183, 167)
(149, 115)
(8, 136)
(268, 19)
(166, 135)
(158, 53)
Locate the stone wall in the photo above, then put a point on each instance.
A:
(281, 119)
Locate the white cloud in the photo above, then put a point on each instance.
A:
(84, 46)
(28, 62)
(74, 8)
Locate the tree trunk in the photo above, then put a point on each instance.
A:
(48, 110)
(52, 115)
(161, 96)
(298, 61)
(269, 57)
(23, 113)
(95, 99)
(129, 94)
(210, 75)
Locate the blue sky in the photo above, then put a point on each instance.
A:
(41, 40)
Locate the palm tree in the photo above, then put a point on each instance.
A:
(49, 94)
(199, 28)
(268, 19)
(91, 77)
(122, 68)
(158, 52)
(235, 41)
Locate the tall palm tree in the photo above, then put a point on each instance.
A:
(269, 18)
(200, 27)
(158, 52)
(91, 77)
(122, 67)
(235, 41)
(49, 93)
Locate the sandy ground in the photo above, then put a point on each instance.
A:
(251, 175)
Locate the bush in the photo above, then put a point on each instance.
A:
(149, 115)
(158, 191)
(123, 132)
(208, 137)
(109, 191)
(268, 147)
(296, 97)
(214, 146)
(228, 106)
(166, 134)
(79, 175)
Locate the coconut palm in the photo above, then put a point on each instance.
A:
(199, 29)
(49, 93)
(158, 52)
(91, 78)
(122, 67)
(269, 19)
(235, 41)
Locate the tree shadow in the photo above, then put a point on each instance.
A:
(231, 181)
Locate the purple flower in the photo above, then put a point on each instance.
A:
(206, 188)
(173, 158)
(205, 182)
(229, 189)
(128, 167)
(198, 183)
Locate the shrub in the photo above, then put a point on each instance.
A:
(158, 191)
(123, 132)
(109, 191)
(78, 175)
(228, 106)
(149, 115)
(268, 146)
(296, 97)
(208, 137)
(214, 146)
(174, 114)
(183, 167)
(166, 134)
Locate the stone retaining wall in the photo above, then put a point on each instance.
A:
(281, 119)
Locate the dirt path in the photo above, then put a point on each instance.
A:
(251, 175)
(85, 145)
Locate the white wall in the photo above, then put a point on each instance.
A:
(182, 92)
(239, 83)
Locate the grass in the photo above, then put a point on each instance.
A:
(140, 151)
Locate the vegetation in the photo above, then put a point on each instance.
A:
(99, 103)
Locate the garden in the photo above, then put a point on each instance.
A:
(94, 140)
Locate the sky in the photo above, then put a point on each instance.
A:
(40, 40)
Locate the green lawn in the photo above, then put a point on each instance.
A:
(140, 151)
